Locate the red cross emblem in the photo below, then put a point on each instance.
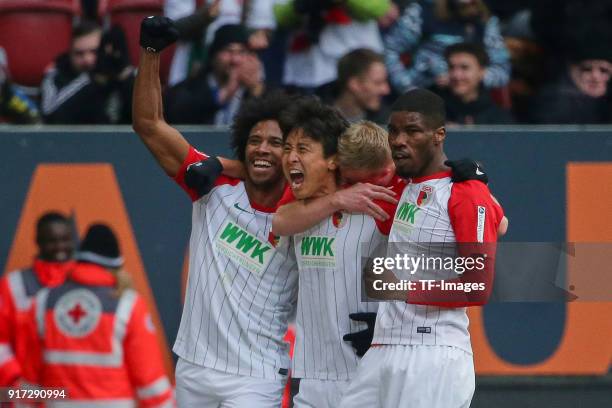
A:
(77, 313)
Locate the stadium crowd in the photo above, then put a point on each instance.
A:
(494, 62)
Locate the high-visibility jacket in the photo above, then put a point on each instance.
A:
(100, 347)
(17, 289)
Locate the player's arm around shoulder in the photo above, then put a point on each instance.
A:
(294, 217)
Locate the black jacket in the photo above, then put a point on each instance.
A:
(481, 111)
(69, 97)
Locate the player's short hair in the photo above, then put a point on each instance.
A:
(251, 113)
(473, 49)
(356, 63)
(48, 218)
(85, 27)
(364, 145)
(425, 102)
(318, 121)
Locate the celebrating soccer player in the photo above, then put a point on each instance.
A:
(424, 357)
(242, 288)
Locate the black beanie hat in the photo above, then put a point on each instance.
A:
(100, 247)
(226, 35)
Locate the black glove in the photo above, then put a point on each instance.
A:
(362, 340)
(157, 32)
(112, 55)
(201, 176)
(467, 169)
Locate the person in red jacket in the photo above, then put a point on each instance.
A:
(17, 288)
(93, 340)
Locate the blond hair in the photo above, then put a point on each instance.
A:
(364, 145)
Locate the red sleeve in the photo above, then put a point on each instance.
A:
(473, 214)
(194, 156)
(143, 359)
(287, 197)
(397, 185)
(9, 367)
(474, 217)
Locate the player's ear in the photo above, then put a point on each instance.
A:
(332, 163)
(439, 135)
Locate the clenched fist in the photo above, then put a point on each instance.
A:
(157, 32)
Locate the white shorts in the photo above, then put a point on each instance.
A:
(198, 386)
(319, 393)
(412, 376)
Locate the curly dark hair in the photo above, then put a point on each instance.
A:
(320, 122)
(253, 111)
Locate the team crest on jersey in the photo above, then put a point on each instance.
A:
(77, 313)
(424, 195)
(339, 219)
(274, 239)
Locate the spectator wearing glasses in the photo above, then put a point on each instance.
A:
(580, 95)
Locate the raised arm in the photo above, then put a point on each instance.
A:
(166, 144)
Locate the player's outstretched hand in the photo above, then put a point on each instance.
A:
(157, 32)
(362, 340)
(467, 169)
(360, 197)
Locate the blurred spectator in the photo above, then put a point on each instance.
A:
(467, 101)
(324, 31)
(191, 35)
(15, 106)
(94, 339)
(214, 96)
(18, 288)
(255, 15)
(92, 82)
(427, 27)
(362, 85)
(561, 25)
(580, 95)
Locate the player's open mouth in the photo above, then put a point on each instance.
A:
(296, 177)
(262, 167)
(262, 164)
(398, 156)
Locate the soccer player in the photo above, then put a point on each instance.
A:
(424, 356)
(18, 288)
(328, 255)
(242, 287)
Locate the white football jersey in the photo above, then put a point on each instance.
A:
(242, 288)
(433, 214)
(329, 259)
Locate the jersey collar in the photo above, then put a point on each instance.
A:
(439, 175)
